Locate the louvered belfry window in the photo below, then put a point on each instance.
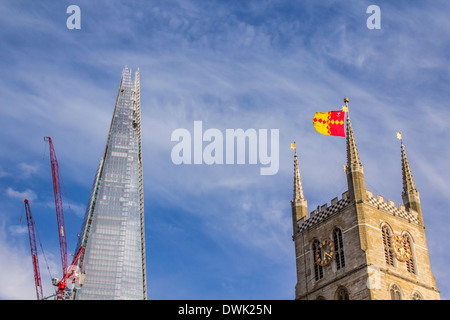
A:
(339, 248)
(318, 270)
(388, 254)
(410, 263)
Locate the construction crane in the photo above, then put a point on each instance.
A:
(34, 255)
(70, 274)
(58, 204)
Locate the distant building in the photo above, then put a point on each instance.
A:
(113, 227)
(361, 247)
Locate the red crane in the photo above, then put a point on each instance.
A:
(34, 254)
(58, 204)
(71, 274)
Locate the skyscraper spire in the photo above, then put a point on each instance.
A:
(113, 230)
(298, 203)
(354, 169)
(410, 195)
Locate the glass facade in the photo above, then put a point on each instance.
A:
(113, 227)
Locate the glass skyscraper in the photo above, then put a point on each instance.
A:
(113, 228)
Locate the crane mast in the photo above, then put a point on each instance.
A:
(58, 204)
(34, 254)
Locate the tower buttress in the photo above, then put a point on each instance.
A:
(298, 203)
(410, 195)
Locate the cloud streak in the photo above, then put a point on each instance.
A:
(27, 194)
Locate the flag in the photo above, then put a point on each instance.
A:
(292, 145)
(330, 123)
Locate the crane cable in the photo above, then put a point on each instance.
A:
(70, 209)
(43, 253)
(42, 249)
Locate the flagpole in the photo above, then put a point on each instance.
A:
(346, 100)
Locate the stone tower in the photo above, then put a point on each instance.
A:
(361, 247)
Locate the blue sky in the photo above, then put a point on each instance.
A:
(219, 231)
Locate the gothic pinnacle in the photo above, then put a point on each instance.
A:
(352, 150)
(408, 182)
(298, 190)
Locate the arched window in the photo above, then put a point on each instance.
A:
(410, 264)
(396, 293)
(416, 296)
(318, 270)
(388, 254)
(342, 294)
(339, 248)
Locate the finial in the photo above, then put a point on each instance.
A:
(345, 108)
(294, 147)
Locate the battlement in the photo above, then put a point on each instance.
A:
(378, 202)
(382, 199)
(324, 211)
(389, 206)
(324, 207)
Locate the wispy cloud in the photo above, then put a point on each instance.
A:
(15, 263)
(3, 173)
(27, 170)
(27, 194)
(18, 229)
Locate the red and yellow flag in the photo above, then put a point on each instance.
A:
(330, 123)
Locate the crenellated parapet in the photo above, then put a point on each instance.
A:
(323, 212)
(390, 207)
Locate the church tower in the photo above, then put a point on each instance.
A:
(361, 247)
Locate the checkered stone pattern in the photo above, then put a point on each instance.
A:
(382, 205)
(321, 215)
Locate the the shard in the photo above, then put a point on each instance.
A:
(112, 233)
